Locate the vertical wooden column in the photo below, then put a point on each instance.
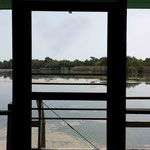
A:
(9, 128)
(116, 78)
(21, 116)
(41, 128)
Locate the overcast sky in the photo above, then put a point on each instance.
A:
(77, 35)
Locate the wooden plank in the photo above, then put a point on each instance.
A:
(138, 124)
(138, 111)
(68, 96)
(116, 79)
(4, 112)
(7, 4)
(21, 120)
(138, 98)
(9, 128)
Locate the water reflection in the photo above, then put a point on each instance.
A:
(93, 130)
(5, 75)
(131, 81)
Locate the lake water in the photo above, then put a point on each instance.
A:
(94, 131)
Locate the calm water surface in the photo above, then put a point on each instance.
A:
(95, 131)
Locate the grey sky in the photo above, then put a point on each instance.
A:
(69, 36)
(138, 33)
(76, 35)
(5, 35)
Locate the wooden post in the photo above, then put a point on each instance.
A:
(21, 115)
(9, 128)
(116, 104)
(41, 134)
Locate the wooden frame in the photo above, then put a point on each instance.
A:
(22, 94)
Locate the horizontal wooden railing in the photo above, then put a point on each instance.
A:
(130, 124)
(145, 111)
(137, 98)
(4, 112)
(77, 96)
(137, 111)
(138, 124)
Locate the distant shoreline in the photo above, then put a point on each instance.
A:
(133, 78)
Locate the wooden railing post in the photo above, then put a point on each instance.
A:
(42, 128)
(41, 135)
(9, 128)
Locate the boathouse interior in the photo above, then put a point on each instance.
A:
(20, 121)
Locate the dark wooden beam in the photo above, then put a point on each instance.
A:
(137, 111)
(137, 98)
(69, 96)
(4, 112)
(116, 79)
(21, 114)
(135, 124)
(69, 5)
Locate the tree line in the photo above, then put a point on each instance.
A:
(134, 65)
